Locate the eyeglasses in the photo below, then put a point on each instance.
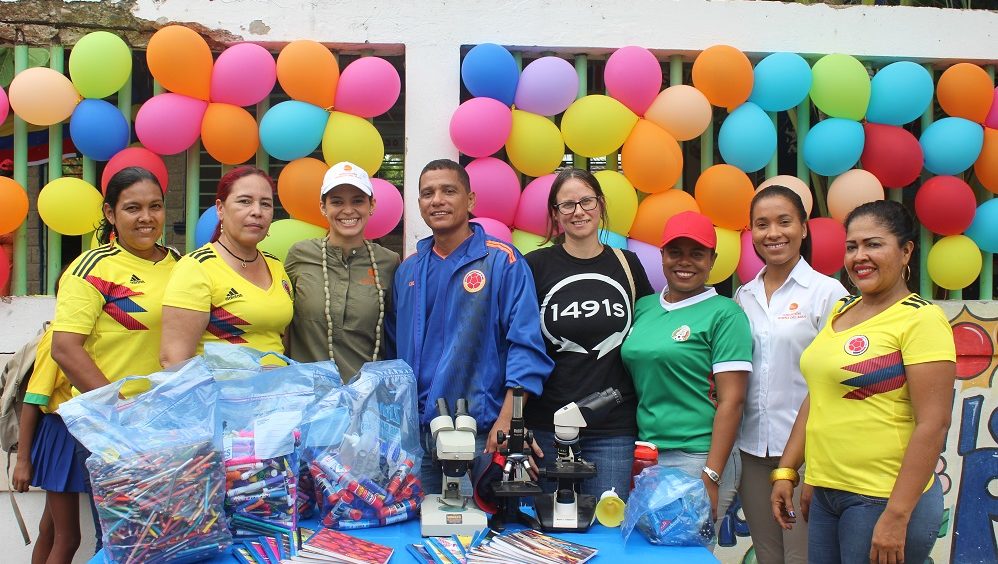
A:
(588, 203)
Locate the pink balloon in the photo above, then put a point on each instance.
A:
(480, 126)
(749, 263)
(368, 87)
(4, 105)
(243, 75)
(532, 211)
(496, 187)
(170, 123)
(990, 121)
(634, 77)
(495, 228)
(651, 258)
(387, 209)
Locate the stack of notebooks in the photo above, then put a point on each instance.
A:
(324, 545)
(488, 547)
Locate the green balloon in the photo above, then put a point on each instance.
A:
(286, 232)
(525, 241)
(841, 87)
(100, 64)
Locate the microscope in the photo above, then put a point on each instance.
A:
(567, 509)
(454, 446)
(516, 481)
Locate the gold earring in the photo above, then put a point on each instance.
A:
(907, 272)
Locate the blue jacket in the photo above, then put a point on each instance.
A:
(492, 337)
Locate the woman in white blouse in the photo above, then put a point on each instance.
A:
(786, 304)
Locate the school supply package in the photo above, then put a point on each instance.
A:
(326, 545)
(670, 508)
(488, 547)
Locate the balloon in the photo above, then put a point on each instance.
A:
(681, 110)
(954, 262)
(651, 159)
(98, 129)
(70, 206)
(841, 86)
(951, 145)
(655, 210)
(596, 125)
(828, 245)
(298, 189)
(490, 70)
(291, 130)
(833, 146)
(795, 184)
(532, 210)
(244, 74)
(945, 205)
(621, 200)
(4, 105)
(526, 242)
(780, 82)
(14, 203)
(651, 259)
(387, 209)
(728, 254)
(982, 229)
(747, 138)
(892, 154)
(634, 76)
(354, 139)
(850, 190)
(899, 93)
(169, 123)
(986, 167)
(611, 239)
(547, 86)
(179, 58)
(99, 64)
(724, 194)
(990, 121)
(965, 91)
(308, 72)
(286, 232)
(368, 87)
(229, 134)
(205, 227)
(495, 228)
(534, 147)
(724, 75)
(42, 96)
(480, 126)
(496, 188)
(140, 157)
(4, 270)
(749, 263)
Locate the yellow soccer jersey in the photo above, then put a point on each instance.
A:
(240, 312)
(861, 416)
(48, 386)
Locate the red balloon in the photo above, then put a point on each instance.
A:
(892, 154)
(828, 244)
(135, 156)
(945, 205)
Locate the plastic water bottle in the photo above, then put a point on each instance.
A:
(645, 455)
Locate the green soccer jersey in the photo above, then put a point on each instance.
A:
(672, 353)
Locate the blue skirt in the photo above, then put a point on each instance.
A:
(53, 456)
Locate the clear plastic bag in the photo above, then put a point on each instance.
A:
(670, 508)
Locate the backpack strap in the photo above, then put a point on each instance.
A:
(17, 510)
(627, 271)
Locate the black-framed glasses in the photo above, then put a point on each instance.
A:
(588, 203)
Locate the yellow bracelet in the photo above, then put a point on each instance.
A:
(784, 474)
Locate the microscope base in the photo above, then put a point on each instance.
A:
(442, 520)
(585, 510)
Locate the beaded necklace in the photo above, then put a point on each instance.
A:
(381, 299)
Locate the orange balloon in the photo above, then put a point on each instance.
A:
(965, 90)
(298, 189)
(229, 133)
(14, 203)
(655, 210)
(986, 167)
(724, 75)
(308, 72)
(179, 58)
(724, 194)
(651, 158)
(850, 190)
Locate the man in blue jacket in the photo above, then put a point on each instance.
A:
(466, 314)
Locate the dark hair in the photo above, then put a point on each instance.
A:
(123, 179)
(230, 178)
(447, 164)
(564, 176)
(779, 191)
(891, 215)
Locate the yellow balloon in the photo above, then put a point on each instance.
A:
(70, 206)
(621, 200)
(596, 125)
(42, 96)
(729, 251)
(351, 138)
(526, 242)
(954, 262)
(286, 232)
(534, 146)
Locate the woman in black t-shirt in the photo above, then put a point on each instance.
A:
(586, 292)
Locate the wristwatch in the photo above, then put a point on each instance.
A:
(714, 476)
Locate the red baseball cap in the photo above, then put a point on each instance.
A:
(691, 225)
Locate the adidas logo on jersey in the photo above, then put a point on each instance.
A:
(233, 294)
(135, 280)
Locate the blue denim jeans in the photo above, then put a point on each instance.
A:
(693, 463)
(840, 526)
(612, 455)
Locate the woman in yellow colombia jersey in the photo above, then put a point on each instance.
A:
(228, 290)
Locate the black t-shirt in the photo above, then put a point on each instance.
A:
(586, 311)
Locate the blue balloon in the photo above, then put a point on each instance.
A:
(747, 138)
(490, 70)
(615, 240)
(292, 129)
(833, 146)
(982, 229)
(899, 93)
(951, 145)
(780, 82)
(98, 129)
(206, 226)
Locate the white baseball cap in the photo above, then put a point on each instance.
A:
(346, 173)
